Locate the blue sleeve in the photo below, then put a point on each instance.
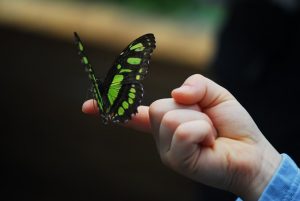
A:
(285, 184)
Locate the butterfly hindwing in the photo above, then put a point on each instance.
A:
(123, 108)
(123, 81)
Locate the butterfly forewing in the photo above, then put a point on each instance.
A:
(90, 70)
(124, 90)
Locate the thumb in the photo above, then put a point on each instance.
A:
(200, 90)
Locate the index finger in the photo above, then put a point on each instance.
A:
(139, 122)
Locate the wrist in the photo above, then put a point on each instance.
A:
(269, 162)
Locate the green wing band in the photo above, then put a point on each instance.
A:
(114, 88)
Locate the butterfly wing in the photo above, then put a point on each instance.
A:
(122, 86)
(90, 70)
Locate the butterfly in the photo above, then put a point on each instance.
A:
(121, 91)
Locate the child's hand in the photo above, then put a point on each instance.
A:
(205, 134)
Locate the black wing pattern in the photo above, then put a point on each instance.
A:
(122, 88)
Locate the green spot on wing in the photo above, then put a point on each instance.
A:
(121, 111)
(137, 77)
(130, 101)
(131, 95)
(80, 46)
(134, 61)
(119, 66)
(125, 70)
(139, 49)
(125, 105)
(85, 60)
(117, 79)
(138, 45)
(132, 90)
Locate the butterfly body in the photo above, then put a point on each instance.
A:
(121, 92)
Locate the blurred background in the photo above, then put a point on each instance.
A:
(50, 150)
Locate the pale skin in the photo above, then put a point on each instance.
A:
(204, 133)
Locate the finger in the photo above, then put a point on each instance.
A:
(140, 121)
(160, 107)
(170, 123)
(198, 89)
(187, 141)
(90, 107)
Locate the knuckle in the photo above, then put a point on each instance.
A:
(157, 107)
(205, 126)
(181, 133)
(170, 119)
(196, 77)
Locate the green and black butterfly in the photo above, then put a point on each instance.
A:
(121, 92)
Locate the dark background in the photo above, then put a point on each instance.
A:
(52, 151)
(258, 61)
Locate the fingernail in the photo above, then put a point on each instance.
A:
(84, 106)
(183, 88)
